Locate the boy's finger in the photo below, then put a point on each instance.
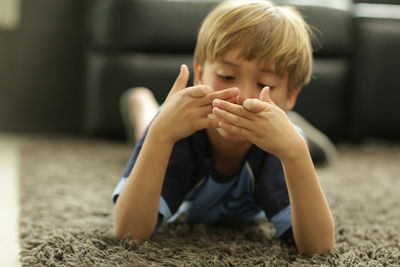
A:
(232, 108)
(264, 95)
(234, 129)
(199, 90)
(208, 122)
(224, 94)
(213, 123)
(232, 100)
(228, 94)
(233, 119)
(182, 79)
(255, 105)
(205, 110)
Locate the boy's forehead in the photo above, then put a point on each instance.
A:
(233, 57)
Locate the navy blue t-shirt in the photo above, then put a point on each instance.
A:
(193, 189)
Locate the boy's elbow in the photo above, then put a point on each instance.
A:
(131, 228)
(118, 234)
(320, 246)
(320, 249)
(121, 233)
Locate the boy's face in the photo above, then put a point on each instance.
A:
(232, 71)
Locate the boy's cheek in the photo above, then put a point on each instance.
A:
(218, 86)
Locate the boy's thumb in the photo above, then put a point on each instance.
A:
(182, 79)
(264, 95)
(254, 105)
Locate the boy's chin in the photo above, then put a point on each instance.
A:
(231, 137)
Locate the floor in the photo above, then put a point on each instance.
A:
(9, 206)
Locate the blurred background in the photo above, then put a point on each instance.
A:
(64, 63)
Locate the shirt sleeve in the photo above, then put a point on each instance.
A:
(128, 168)
(178, 179)
(272, 194)
(288, 237)
(270, 191)
(282, 221)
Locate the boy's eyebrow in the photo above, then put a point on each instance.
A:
(268, 71)
(229, 63)
(237, 65)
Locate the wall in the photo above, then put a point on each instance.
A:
(41, 68)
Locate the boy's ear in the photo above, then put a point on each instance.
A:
(198, 73)
(292, 98)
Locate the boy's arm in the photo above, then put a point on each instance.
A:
(184, 112)
(312, 222)
(136, 209)
(267, 126)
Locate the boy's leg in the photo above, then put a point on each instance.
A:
(322, 150)
(138, 107)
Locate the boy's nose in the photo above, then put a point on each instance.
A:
(245, 93)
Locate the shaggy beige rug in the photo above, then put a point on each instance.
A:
(66, 185)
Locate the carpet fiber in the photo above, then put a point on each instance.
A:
(66, 187)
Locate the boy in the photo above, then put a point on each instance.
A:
(224, 149)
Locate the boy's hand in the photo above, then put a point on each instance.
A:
(262, 122)
(186, 108)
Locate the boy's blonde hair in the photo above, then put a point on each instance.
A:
(275, 35)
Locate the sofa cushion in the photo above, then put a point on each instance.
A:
(143, 42)
(109, 76)
(376, 74)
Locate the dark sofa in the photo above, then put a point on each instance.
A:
(353, 94)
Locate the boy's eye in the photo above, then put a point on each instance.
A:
(262, 85)
(226, 77)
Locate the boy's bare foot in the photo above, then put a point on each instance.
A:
(138, 107)
(322, 150)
